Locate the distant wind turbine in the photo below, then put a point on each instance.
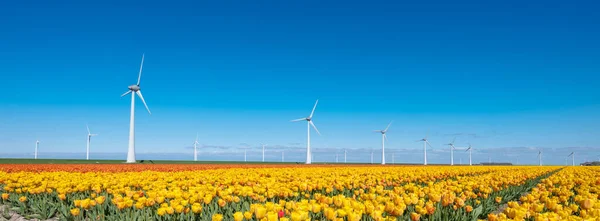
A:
(345, 152)
(393, 159)
(35, 154)
(282, 159)
(310, 123)
(425, 143)
(89, 139)
(371, 156)
(540, 156)
(572, 155)
(470, 149)
(451, 144)
(196, 148)
(336, 158)
(133, 90)
(383, 139)
(263, 152)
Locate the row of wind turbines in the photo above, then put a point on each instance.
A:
(135, 89)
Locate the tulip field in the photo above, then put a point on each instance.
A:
(299, 192)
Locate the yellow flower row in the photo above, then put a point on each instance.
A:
(571, 194)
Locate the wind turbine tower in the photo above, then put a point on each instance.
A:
(196, 148)
(451, 144)
(133, 90)
(425, 143)
(310, 123)
(572, 155)
(263, 152)
(383, 139)
(540, 157)
(37, 145)
(470, 150)
(89, 139)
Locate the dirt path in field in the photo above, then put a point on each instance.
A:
(13, 216)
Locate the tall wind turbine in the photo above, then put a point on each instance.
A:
(371, 156)
(282, 156)
(89, 139)
(451, 144)
(133, 90)
(425, 143)
(572, 155)
(540, 156)
(336, 158)
(310, 123)
(263, 152)
(196, 148)
(35, 154)
(470, 149)
(383, 139)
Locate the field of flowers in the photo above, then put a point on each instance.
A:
(298, 192)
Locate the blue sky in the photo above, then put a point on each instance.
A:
(518, 75)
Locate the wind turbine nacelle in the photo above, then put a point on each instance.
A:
(134, 87)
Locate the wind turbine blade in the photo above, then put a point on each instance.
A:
(453, 140)
(140, 74)
(468, 149)
(301, 119)
(428, 144)
(388, 126)
(126, 93)
(313, 110)
(313, 125)
(196, 137)
(378, 131)
(88, 128)
(385, 136)
(139, 93)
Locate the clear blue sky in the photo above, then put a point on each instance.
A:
(518, 74)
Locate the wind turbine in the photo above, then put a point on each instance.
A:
(345, 152)
(263, 152)
(451, 144)
(336, 157)
(383, 139)
(540, 156)
(310, 123)
(572, 155)
(371, 156)
(425, 143)
(282, 156)
(89, 139)
(470, 149)
(196, 148)
(35, 154)
(133, 90)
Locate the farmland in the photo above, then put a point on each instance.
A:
(298, 192)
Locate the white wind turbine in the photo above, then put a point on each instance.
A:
(540, 156)
(572, 155)
(425, 143)
(196, 148)
(133, 90)
(35, 154)
(345, 152)
(336, 158)
(470, 149)
(371, 156)
(263, 151)
(451, 144)
(89, 139)
(310, 123)
(383, 139)
(282, 159)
